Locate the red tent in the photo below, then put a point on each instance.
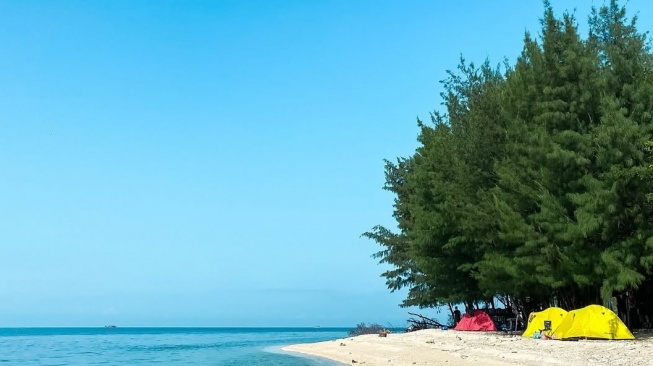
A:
(480, 321)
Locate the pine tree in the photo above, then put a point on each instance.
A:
(536, 184)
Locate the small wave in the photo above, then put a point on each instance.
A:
(175, 347)
(275, 349)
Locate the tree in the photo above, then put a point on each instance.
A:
(435, 252)
(535, 185)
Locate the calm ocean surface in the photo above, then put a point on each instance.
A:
(159, 346)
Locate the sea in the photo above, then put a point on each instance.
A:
(161, 346)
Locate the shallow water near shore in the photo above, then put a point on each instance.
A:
(160, 346)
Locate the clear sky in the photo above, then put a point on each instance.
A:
(213, 163)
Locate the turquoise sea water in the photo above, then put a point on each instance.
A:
(160, 346)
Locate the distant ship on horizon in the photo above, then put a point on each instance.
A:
(110, 326)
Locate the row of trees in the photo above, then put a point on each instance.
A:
(535, 184)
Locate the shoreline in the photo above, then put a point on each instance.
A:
(319, 360)
(454, 348)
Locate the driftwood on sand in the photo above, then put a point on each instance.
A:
(422, 323)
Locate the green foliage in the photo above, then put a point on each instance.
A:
(536, 183)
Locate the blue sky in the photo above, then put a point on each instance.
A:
(213, 163)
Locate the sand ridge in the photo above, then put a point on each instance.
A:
(453, 348)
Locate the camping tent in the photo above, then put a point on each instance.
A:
(536, 320)
(594, 321)
(479, 321)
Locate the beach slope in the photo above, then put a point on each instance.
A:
(453, 348)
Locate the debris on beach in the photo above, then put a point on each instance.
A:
(422, 323)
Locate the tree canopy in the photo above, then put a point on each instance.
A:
(536, 181)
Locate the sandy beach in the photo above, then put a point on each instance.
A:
(438, 347)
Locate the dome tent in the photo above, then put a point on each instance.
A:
(536, 320)
(480, 321)
(593, 321)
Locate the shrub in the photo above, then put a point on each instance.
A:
(363, 328)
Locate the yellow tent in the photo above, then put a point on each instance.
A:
(594, 321)
(536, 320)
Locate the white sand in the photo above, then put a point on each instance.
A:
(450, 347)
